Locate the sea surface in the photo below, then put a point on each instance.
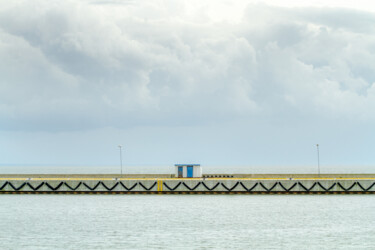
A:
(187, 221)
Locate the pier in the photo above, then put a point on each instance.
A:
(208, 184)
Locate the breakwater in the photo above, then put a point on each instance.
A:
(76, 185)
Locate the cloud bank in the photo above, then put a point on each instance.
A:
(77, 65)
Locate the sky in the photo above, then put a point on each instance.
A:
(220, 83)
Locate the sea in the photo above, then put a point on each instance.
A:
(187, 221)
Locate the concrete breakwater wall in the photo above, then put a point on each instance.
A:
(188, 185)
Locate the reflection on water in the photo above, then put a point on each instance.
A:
(187, 221)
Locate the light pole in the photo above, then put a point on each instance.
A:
(120, 147)
(317, 148)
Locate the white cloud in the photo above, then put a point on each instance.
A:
(76, 65)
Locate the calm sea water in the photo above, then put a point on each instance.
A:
(187, 222)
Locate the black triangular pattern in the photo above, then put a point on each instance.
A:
(92, 189)
(192, 189)
(268, 190)
(365, 189)
(327, 189)
(172, 189)
(307, 189)
(35, 188)
(52, 188)
(210, 189)
(73, 189)
(128, 189)
(230, 189)
(250, 189)
(110, 189)
(287, 189)
(347, 189)
(148, 189)
(16, 189)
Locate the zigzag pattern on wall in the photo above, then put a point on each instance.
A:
(292, 188)
(271, 188)
(94, 188)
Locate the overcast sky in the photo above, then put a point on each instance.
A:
(250, 83)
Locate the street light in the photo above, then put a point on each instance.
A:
(120, 147)
(317, 148)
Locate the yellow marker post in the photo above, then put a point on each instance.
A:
(160, 185)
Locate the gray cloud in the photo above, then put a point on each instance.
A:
(80, 65)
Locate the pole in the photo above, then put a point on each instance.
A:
(120, 158)
(317, 148)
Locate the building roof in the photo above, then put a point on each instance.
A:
(183, 165)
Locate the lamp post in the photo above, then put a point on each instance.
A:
(317, 148)
(120, 147)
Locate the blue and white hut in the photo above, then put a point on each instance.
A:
(188, 170)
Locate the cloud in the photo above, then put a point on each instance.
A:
(77, 65)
